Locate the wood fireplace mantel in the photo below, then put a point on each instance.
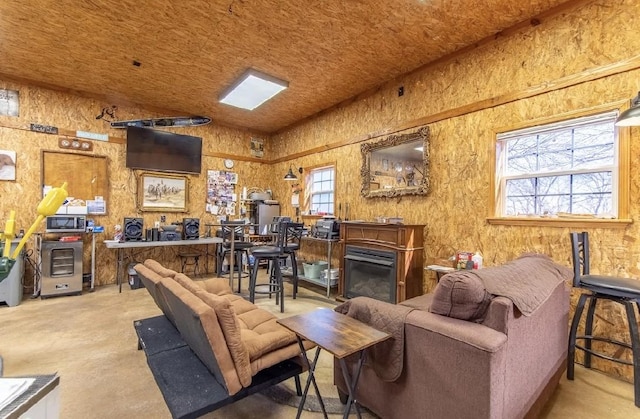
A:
(407, 241)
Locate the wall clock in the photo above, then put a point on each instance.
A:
(228, 163)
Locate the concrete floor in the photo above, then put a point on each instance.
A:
(90, 342)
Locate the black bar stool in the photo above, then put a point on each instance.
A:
(293, 241)
(274, 255)
(235, 230)
(624, 291)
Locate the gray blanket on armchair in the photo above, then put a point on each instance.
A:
(386, 358)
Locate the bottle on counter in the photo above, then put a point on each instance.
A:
(477, 260)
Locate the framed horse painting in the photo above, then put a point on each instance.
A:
(160, 192)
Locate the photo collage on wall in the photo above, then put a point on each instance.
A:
(221, 196)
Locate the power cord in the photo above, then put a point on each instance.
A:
(28, 260)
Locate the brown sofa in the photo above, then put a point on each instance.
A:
(485, 344)
(233, 337)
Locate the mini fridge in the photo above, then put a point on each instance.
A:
(264, 217)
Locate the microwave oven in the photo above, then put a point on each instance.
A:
(66, 224)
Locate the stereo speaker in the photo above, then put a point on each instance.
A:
(190, 228)
(133, 229)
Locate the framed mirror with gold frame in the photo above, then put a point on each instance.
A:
(397, 165)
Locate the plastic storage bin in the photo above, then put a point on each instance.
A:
(333, 276)
(134, 280)
(312, 270)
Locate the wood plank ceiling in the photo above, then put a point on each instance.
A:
(190, 51)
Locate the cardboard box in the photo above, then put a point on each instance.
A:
(76, 210)
(463, 259)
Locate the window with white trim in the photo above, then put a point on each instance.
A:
(567, 167)
(321, 187)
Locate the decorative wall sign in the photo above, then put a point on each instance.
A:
(180, 121)
(9, 102)
(47, 129)
(7, 165)
(257, 147)
(75, 144)
(159, 192)
(221, 197)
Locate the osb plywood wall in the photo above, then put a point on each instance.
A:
(464, 101)
(565, 51)
(71, 113)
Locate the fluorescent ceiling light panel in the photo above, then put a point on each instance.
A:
(252, 90)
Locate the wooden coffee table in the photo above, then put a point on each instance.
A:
(339, 335)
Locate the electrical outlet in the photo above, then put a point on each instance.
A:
(163, 218)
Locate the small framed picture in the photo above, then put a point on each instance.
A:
(97, 206)
(7, 165)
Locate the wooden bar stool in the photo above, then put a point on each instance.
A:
(190, 259)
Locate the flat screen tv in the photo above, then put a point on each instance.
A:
(163, 151)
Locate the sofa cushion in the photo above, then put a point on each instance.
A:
(421, 302)
(240, 305)
(460, 295)
(218, 286)
(278, 355)
(159, 269)
(231, 329)
(214, 285)
(266, 337)
(187, 282)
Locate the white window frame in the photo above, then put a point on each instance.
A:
(619, 169)
(310, 188)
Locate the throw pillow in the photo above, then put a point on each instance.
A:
(460, 295)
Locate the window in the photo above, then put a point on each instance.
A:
(564, 168)
(321, 186)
